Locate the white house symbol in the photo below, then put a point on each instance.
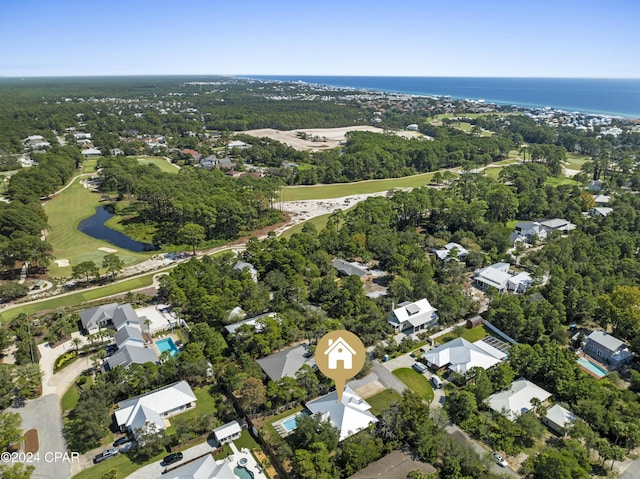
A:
(339, 350)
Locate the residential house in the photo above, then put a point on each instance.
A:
(600, 211)
(411, 127)
(241, 266)
(287, 362)
(349, 416)
(228, 432)
(215, 162)
(346, 268)
(531, 231)
(528, 232)
(519, 282)
(559, 419)
(237, 144)
(91, 152)
(601, 200)
(558, 224)
(498, 276)
(128, 337)
(517, 399)
(257, 327)
(607, 349)
(411, 318)
(459, 355)
(130, 354)
(447, 253)
(154, 407)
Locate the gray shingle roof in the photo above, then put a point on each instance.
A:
(286, 363)
(605, 340)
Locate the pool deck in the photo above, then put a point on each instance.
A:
(281, 429)
(593, 361)
(251, 465)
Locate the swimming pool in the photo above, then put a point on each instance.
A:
(597, 371)
(167, 344)
(290, 423)
(243, 472)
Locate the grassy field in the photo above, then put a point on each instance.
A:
(89, 166)
(416, 381)
(471, 335)
(160, 162)
(575, 162)
(381, 400)
(120, 463)
(79, 297)
(298, 193)
(70, 398)
(65, 212)
(319, 221)
(563, 180)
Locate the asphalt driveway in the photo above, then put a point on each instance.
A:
(44, 414)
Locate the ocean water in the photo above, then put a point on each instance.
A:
(614, 97)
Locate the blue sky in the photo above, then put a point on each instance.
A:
(534, 38)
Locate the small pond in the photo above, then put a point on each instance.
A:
(94, 227)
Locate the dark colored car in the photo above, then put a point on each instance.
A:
(171, 458)
(121, 441)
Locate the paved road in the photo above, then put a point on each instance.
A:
(155, 469)
(44, 415)
(406, 361)
(631, 472)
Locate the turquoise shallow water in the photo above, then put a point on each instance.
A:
(616, 97)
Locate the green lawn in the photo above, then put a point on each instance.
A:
(381, 400)
(268, 425)
(160, 162)
(575, 162)
(319, 221)
(89, 166)
(471, 335)
(65, 213)
(563, 180)
(70, 399)
(120, 463)
(79, 297)
(246, 440)
(337, 190)
(415, 381)
(493, 171)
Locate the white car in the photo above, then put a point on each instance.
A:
(499, 459)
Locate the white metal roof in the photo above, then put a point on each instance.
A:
(517, 399)
(133, 413)
(349, 416)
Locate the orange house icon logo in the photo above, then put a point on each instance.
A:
(340, 350)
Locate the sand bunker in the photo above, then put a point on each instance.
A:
(108, 250)
(62, 263)
(316, 139)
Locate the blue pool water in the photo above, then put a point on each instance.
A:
(243, 472)
(167, 344)
(290, 424)
(594, 368)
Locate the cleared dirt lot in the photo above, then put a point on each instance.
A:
(316, 139)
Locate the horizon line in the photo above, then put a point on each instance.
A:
(324, 75)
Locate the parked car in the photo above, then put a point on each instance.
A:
(104, 455)
(421, 368)
(171, 458)
(121, 441)
(499, 459)
(436, 382)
